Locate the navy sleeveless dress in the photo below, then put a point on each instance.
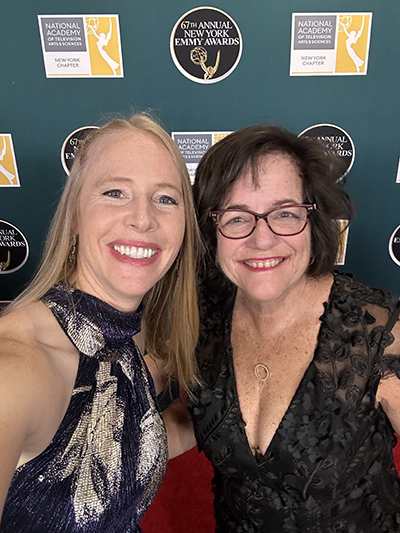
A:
(109, 454)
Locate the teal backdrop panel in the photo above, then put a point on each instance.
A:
(39, 112)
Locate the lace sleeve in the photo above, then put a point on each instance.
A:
(391, 345)
(359, 341)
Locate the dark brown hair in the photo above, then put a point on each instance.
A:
(319, 167)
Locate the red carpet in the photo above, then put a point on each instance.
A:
(184, 502)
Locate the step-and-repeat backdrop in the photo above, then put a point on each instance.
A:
(327, 70)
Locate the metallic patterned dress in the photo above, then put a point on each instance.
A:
(109, 454)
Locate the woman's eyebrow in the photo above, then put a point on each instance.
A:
(278, 203)
(113, 179)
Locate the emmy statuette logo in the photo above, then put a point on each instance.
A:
(206, 45)
(8, 165)
(5, 264)
(14, 249)
(199, 57)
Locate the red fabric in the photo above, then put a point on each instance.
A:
(396, 454)
(184, 503)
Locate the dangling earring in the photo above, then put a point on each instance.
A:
(72, 250)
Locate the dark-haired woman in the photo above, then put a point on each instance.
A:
(300, 366)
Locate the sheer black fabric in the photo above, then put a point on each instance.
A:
(329, 467)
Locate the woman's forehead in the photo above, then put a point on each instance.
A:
(276, 167)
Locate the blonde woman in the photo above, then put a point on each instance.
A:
(83, 447)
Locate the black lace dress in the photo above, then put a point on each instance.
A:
(329, 467)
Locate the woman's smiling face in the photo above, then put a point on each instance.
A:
(131, 218)
(265, 266)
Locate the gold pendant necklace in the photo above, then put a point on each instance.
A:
(261, 372)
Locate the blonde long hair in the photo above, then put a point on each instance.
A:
(171, 315)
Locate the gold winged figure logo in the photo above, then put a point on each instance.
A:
(198, 56)
(5, 264)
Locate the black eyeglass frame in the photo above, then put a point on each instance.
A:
(264, 216)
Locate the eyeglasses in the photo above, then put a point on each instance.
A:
(286, 220)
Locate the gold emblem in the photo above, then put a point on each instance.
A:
(5, 264)
(198, 56)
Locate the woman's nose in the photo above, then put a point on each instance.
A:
(140, 215)
(262, 235)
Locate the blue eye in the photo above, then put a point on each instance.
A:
(114, 193)
(167, 200)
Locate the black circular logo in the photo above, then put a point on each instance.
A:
(394, 246)
(335, 137)
(71, 144)
(14, 249)
(206, 45)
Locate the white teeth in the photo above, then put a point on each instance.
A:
(134, 252)
(263, 264)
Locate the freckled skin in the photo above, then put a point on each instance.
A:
(278, 182)
(277, 308)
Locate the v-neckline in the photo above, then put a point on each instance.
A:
(243, 424)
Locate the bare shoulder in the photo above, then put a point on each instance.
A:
(38, 367)
(29, 336)
(19, 334)
(30, 389)
(34, 347)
